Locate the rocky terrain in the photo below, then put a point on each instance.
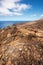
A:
(22, 44)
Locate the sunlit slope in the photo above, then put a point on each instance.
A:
(22, 44)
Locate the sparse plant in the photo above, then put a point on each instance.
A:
(30, 36)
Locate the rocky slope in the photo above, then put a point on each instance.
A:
(22, 44)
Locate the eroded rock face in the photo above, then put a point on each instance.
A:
(21, 46)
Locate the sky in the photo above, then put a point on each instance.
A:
(21, 10)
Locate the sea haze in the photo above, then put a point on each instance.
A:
(4, 24)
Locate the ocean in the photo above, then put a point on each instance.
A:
(4, 24)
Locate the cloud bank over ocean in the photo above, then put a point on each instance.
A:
(13, 7)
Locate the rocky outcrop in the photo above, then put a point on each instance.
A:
(22, 44)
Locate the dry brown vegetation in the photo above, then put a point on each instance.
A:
(22, 44)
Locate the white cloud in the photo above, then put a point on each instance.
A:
(5, 11)
(12, 4)
(20, 7)
(15, 13)
(33, 15)
(42, 15)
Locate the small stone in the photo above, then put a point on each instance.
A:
(32, 64)
(8, 35)
(26, 49)
(0, 56)
(20, 49)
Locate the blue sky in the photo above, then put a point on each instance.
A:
(21, 10)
